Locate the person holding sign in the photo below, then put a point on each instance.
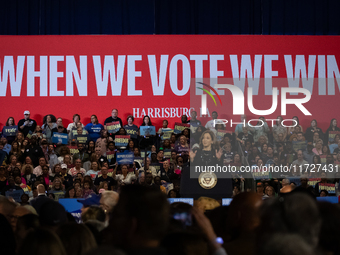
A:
(165, 132)
(49, 124)
(26, 124)
(10, 130)
(333, 126)
(114, 119)
(131, 129)
(323, 181)
(94, 128)
(147, 123)
(74, 125)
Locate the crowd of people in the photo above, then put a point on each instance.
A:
(125, 203)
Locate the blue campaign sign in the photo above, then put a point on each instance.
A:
(73, 207)
(226, 201)
(147, 130)
(10, 130)
(189, 201)
(71, 204)
(60, 138)
(15, 194)
(125, 158)
(333, 200)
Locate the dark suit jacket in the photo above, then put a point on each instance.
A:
(39, 201)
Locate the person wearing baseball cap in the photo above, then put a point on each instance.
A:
(65, 177)
(26, 124)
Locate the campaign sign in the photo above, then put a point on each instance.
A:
(125, 158)
(323, 159)
(259, 174)
(82, 139)
(330, 187)
(131, 131)
(189, 201)
(113, 127)
(167, 153)
(122, 140)
(110, 155)
(73, 149)
(57, 194)
(333, 200)
(142, 154)
(226, 201)
(299, 145)
(313, 181)
(60, 138)
(72, 206)
(331, 136)
(179, 127)
(29, 135)
(15, 194)
(157, 166)
(140, 160)
(167, 132)
(10, 130)
(147, 130)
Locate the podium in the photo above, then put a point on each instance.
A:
(206, 185)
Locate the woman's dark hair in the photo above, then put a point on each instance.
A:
(330, 124)
(93, 115)
(129, 143)
(172, 190)
(297, 119)
(75, 116)
(213, 138)
(67, 193)
(41, 242)
(130, 116)
(8, 121)
(263, 145)
(121, 130)
(88, 179)
(318, 157)
(53, 118)
(150, 123)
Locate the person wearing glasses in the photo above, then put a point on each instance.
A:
(26, 124)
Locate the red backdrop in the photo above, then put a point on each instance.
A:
(137, 70)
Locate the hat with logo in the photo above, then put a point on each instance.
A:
(26, 112)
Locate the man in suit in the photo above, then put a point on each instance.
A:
(40, 199)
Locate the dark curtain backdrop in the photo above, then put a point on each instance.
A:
(68, 17)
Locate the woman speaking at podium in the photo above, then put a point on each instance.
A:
(208, 153)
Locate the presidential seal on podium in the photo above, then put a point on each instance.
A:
(207, 180)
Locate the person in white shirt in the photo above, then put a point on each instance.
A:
(211, 123)
(125, 177)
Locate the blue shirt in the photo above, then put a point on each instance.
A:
(94, 130)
